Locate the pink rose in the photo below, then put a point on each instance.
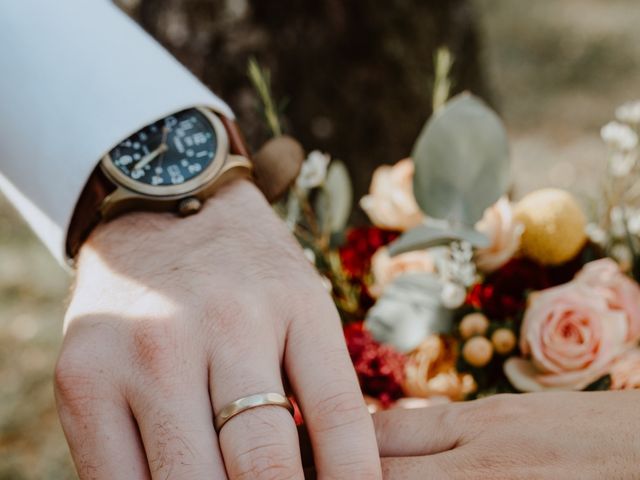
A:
(504, 232)
(570, 337)
(386, 268)
(390, 203)
(625, 372)
(621, 292)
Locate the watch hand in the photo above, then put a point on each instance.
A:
(151, 156)
(162, 148)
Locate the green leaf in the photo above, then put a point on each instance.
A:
(340, 192)
(462, 161)
(429, 236)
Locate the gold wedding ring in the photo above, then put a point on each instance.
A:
(247, 403)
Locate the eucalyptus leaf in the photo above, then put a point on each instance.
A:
(429, 236)
(340, 192)
(462, 161)
(408, 311)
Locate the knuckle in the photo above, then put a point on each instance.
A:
(230, 315)
(74, 381)
(265, 462)
(340, 410)
(172, 453)
(152, 344)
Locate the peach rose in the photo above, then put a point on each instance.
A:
(572, 337)
(625, 372)
(390, 203)
(504, 232)
(620, 291)
(386, 268)
(430, 371)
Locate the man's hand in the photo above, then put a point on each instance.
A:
(172, 319)
(543, 436)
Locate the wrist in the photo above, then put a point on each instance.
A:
(239, 197)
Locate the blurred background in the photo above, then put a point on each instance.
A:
(356, 80)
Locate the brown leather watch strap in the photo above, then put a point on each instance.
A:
(237, 143)
(86, 215)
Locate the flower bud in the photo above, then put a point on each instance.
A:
(453, 295)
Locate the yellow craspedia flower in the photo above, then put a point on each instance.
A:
(554, 224)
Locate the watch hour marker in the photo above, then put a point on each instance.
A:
(178, 143)
(194, 168)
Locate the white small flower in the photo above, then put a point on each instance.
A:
(596, 234)
(618, 229)
(621, 163)
(622, 254)
(633, 224)
(314, 170)
(619, 136)
(453, 295)
(311, 256)
(629, 112)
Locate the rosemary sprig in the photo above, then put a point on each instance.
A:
(443, 61)
(261, 80)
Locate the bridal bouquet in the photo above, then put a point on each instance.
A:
(455, 291)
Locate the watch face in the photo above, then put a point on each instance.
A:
(169, 152)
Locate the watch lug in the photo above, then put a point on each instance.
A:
(119, 201)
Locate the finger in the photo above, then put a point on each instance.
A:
(339, 424)
(417, 468)
(102, 435)
(420, 431)
(260, 443)
(174, 416)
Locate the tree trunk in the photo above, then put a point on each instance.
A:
(356, 74)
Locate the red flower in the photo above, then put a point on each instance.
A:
(503, 293)
(361, 244)
(379, 367)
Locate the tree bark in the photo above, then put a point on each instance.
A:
(356, 74)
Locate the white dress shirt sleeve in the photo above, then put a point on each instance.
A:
(76, 78)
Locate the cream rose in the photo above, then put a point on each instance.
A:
(625, 372)
(504, 232)
(618, 289)
(386, 268)
(571, 337)
(390, 203)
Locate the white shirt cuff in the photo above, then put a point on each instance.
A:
(78, 77)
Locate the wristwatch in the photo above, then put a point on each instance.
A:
(172, 165)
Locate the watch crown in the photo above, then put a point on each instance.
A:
(189, 206)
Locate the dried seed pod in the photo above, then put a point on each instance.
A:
(477, 352)
(474, 324)
(277, 165)
(504, 341)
